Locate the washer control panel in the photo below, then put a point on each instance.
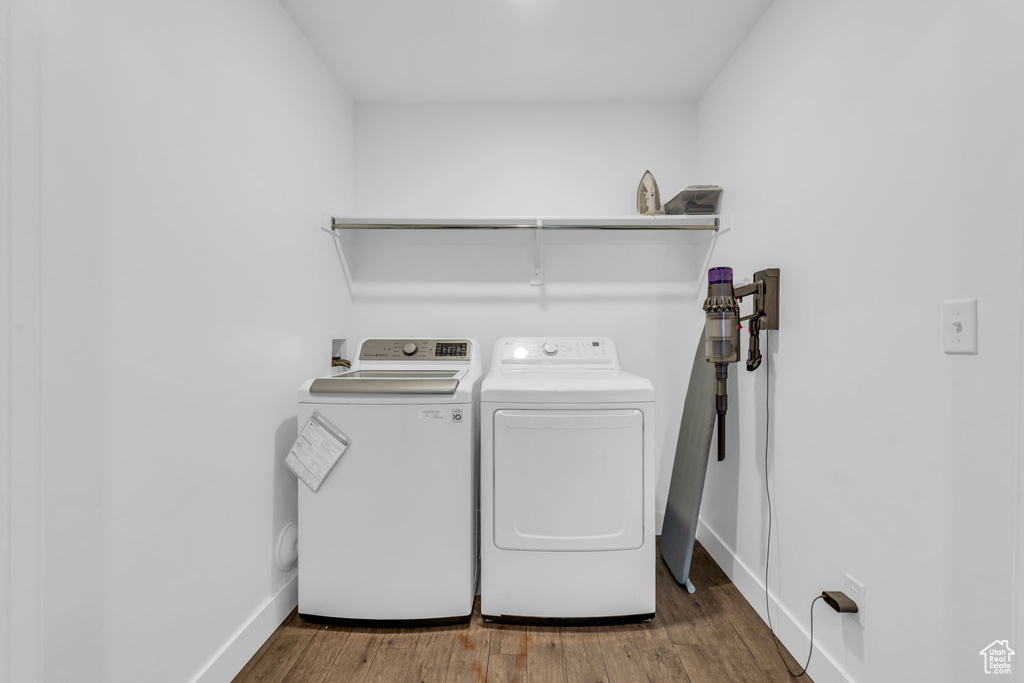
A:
(416, 349)
(556, 351)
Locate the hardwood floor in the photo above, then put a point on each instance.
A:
(712, 636)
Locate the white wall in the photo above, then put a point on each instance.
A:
(519, 159)
(874, 152)
(522, 160)
(21, 347)
(188, 149)
(6, 329)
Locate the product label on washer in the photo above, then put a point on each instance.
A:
(431, 414)
(317, 450)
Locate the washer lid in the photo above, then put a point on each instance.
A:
(403, 387)
(565, 386)
(388, 382)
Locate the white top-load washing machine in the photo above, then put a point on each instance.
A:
(391, 534)
(566, 484)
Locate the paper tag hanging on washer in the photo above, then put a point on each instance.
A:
(317, 450)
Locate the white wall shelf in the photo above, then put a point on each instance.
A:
(459, 233)
(526, 223)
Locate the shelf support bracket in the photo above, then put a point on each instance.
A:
(537, 270)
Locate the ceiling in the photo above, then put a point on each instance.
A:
(525, 50)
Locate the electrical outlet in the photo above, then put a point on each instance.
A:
(856, 592)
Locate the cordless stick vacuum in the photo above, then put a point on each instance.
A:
(697, 424)
(722, 329)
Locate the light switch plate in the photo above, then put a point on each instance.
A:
(960, 326)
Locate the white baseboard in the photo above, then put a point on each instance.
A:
(823, 668)
(250, 637)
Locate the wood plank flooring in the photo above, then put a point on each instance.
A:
(712, 636)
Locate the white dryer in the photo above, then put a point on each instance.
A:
(390, 537)
(566, 484)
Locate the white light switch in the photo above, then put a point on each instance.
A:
(960, 326)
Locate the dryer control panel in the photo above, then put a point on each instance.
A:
(594, 351)
(416, 349)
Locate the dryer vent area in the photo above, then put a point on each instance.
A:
(713, 635)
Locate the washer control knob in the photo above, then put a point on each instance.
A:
(550, 348)
(409, 349)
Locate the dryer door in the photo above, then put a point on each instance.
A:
(568, 479)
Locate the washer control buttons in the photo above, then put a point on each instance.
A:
(550, 348)
(409, 349)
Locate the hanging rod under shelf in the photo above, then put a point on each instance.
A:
(506, 223)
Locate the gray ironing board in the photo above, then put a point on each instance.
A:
(691, 465)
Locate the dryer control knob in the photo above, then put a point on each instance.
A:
(550, 348)
(409, 349)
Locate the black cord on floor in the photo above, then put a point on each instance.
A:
(768, 494)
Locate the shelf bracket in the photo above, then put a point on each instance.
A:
(537, 271)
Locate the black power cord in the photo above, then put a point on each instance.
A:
(768, 494)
